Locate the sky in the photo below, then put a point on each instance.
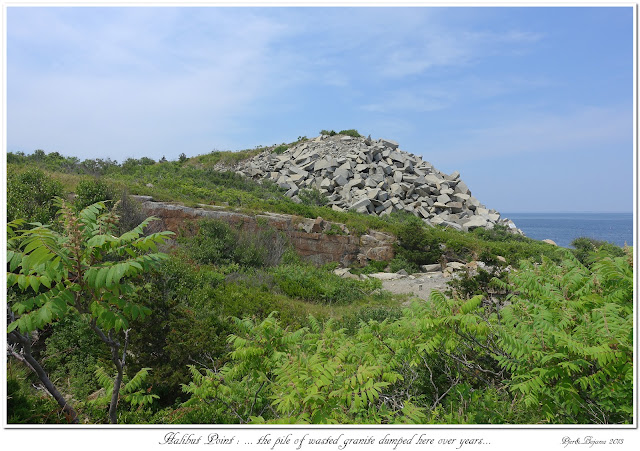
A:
(532, 105)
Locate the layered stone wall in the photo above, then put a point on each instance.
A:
(314, 240)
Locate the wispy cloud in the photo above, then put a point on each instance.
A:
(139, 83)
(412, 100)
(440, 47)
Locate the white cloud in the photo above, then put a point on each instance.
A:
(133, 87)
(412, 100)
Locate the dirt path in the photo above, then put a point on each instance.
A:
(418, 285)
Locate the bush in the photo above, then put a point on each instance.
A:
(312, 197)
(90, 191)
(30, 196)
(131, 164)
(328, 132)
(400, 263)
(371, 267)
(72, 352)
(130, 212)
(315, 285)
(187, 325)
(366, 314)
(25, 405)
(417, 246)
(466, 286)
(280, 149)
(589, 250)
(351, 132)
(217, 243)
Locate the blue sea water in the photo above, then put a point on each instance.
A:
(563, 228)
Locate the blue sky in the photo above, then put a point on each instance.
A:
(534, 106)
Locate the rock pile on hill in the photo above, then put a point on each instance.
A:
(374, 177)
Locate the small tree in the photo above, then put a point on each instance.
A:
(86, 270)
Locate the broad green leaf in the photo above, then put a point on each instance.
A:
(101, 277)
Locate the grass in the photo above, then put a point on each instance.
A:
(196, 182)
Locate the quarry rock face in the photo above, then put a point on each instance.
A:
(374, 177)
(315, 240)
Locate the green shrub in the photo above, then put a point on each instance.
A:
(400, 263)
(187, 324)
(364, 315)
(351, 132)
(133, 164)
(72, 352)
(280, 149)
(30, 196)
(566, 339)
(565, 342)
(90, 191)
(417, 245)
(316, 285)
(217, 243)
(312, 197)
(589, 250)
(328, 132)
(130, 212)
(371, 267)
(214, 243)
(25, 405)
(466, 286)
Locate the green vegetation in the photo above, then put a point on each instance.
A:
(86, 272)
(589, 251)
(422, 245)
(315, 284)
(30, 195)
(216, 243)
(90, 191)
(280, 149)
(541, 359)
(228, 325)
(351, 132)
(312, 197)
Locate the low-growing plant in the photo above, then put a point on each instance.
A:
(400, 263)
(72, 351)
(90, 191)
(280, 149)
(312, 196)
(25, 404)
(217, 243)
(313, 284)
(30, 196)
(466, 285)
(351, 132)
(372, 266)
(589, 250)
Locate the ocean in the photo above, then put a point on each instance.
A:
(563, 228)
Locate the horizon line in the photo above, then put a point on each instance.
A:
(578, 211)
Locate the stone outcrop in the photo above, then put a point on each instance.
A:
(315, 240)
(373, 177)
